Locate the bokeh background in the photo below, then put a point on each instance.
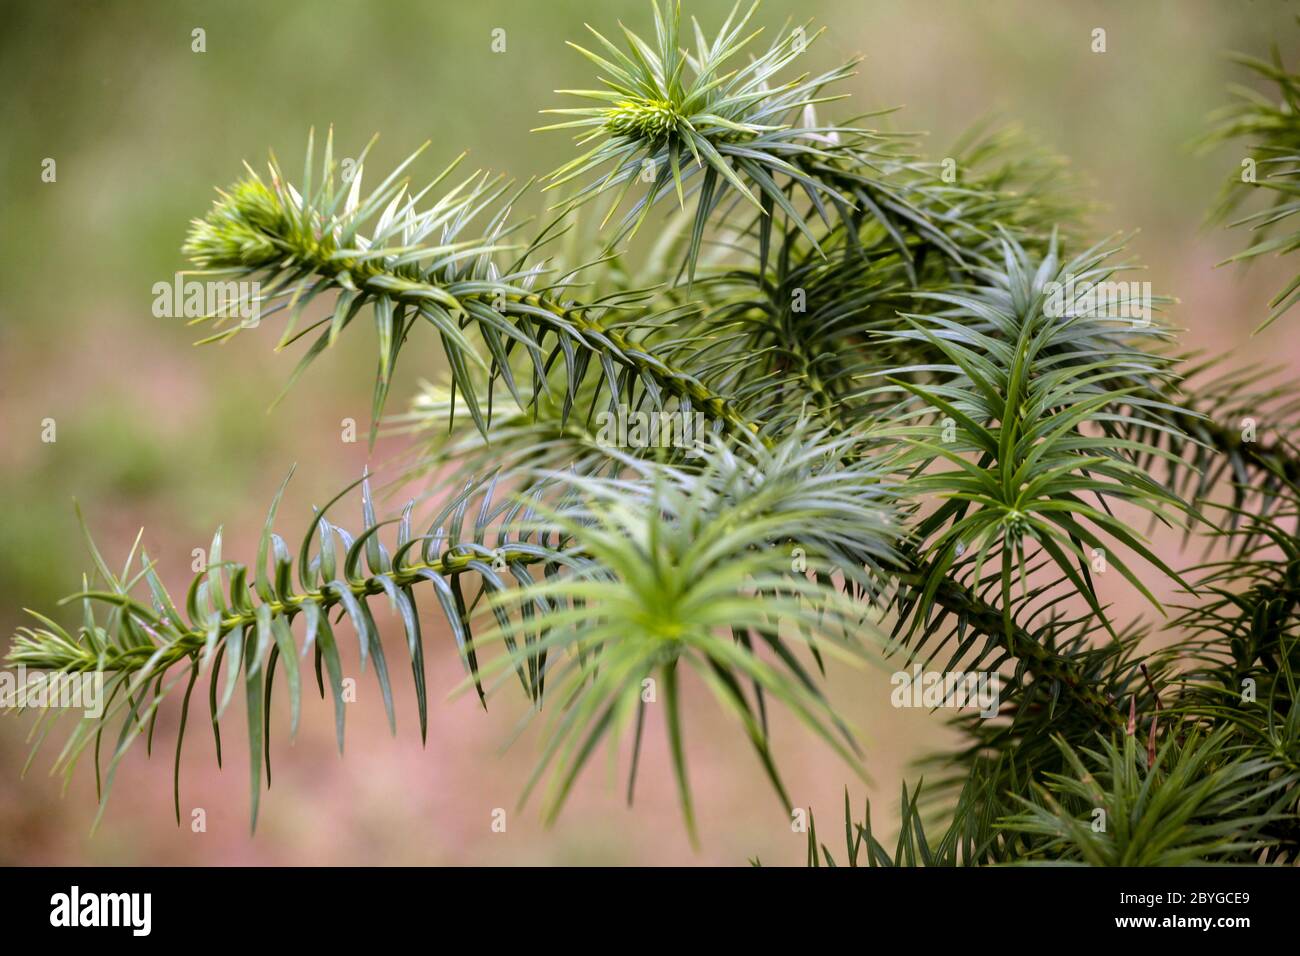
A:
(152, 432)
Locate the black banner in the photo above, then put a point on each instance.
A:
(932, 905)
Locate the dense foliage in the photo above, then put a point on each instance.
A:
(923, 437)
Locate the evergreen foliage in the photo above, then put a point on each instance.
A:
(915, 447)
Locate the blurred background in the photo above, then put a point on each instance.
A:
(153, 432)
